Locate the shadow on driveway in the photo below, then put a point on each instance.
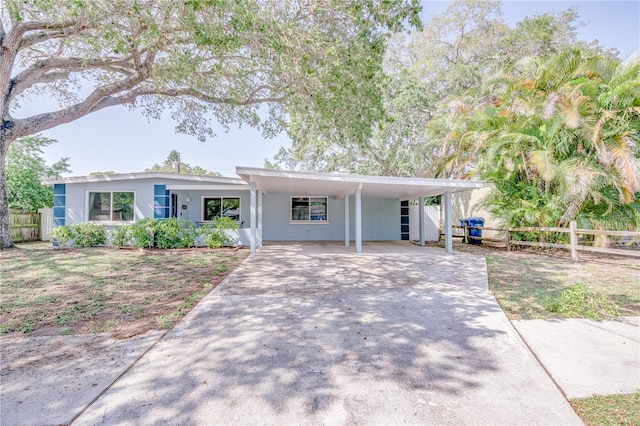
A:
(315, 334)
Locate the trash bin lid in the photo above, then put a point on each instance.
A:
(473, 220)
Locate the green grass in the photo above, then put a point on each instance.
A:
(609, 410)
(97, 289)
(538, 285)
(580, 301)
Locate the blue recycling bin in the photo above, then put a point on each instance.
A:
(473, 221)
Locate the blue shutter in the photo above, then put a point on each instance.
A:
(59, 203)
(160, 202)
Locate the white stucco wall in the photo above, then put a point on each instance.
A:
(380, 217)
(194, 210)
(77, 198)
(380, 220)
(467, 204)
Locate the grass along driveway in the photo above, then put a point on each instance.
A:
(125, 292)
(528, 284)
(525, 281)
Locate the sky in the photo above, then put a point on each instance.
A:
(120, 140)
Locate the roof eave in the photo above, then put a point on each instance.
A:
(142, 175)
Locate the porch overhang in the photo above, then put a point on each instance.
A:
(342, 185)
(339, 185)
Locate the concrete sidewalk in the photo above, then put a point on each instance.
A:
(586, 357)
(48, 380)
(314, 335)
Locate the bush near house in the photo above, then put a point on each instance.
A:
(169, 233)
(217, 235)
(84, 234)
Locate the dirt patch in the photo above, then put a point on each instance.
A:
(49, 291)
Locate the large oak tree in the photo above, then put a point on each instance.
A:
(208, 61)
(450, 55)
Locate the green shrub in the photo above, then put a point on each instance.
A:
(121, 236)
(216, 235)
(63, 235)
(87, 234)
(143, 232)
(189, 234)
(580, 301)
(175, 233)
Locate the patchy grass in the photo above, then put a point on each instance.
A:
(127, 292)
(548, 285)
(609, 410)
(580, 301)
(525, 281)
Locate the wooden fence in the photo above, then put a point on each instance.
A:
(25, 225)
(574, 245)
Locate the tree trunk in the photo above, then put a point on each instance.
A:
(6, 241)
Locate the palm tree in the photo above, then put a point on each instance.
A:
(559, 138)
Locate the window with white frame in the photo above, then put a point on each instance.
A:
(111, 206)
(309, 209)
(214, 207)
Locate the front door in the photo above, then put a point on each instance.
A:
(174, 205)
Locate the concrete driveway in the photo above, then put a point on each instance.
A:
(316, 334)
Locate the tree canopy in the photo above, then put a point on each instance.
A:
(558, 138)
(174, 164)
(212, 63)
(452, 54)
(26, 168)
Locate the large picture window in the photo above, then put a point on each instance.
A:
(111, 206)
(214, 207)
(309, 209)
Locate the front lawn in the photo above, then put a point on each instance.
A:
(609, 410)
(125, 292)
(529, 285)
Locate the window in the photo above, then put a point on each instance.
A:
(309, 209)
(213, 207)
(111, 206)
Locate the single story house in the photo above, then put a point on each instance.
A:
(269, 205)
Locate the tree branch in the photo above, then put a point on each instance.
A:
(16, 33)
(39, 71)
(41, 122)
(130, 97)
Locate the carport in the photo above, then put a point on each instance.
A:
(342, 187)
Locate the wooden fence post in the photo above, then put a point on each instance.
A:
(466, 232)
(573, 237)
(506, 238)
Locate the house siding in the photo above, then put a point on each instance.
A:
(151, 199)
(380, 217)
(193, 212)
(380, 220)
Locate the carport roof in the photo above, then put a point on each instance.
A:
(340, 185)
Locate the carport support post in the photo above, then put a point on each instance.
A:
(358, 221)
(259, 224)
(421, 219)
(252, 214)
(346, 221)
(448, 237)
